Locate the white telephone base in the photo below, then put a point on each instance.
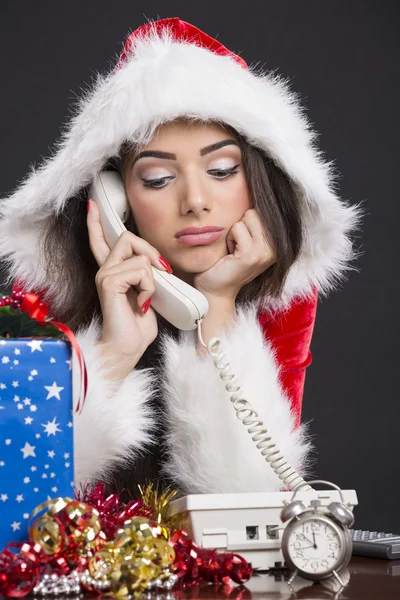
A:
(248, 524)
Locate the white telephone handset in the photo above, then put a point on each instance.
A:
(174, 299)
(185, 307)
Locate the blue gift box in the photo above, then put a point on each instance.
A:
(36, 433)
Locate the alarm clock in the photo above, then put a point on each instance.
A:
(316, 543)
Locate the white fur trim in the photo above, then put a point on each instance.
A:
(115, 421)
(161, 80)
(210, 450)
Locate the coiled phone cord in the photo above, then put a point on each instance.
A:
(250, 419)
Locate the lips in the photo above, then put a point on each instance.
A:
(198, 236)
(197, 230)
(199, 239)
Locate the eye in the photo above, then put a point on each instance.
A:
(157, 183)
(224, 173)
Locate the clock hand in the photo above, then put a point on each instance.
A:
(307, 540)
(315, 545)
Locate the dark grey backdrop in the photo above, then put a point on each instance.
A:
(343, 58)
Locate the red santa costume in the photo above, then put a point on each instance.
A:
(167, 70)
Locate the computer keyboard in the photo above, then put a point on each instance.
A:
(376, 544)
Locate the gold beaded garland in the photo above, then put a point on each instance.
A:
(139, 558)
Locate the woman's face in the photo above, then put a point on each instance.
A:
(189, 175)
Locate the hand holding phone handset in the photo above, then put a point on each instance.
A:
(185, 308)
(175, 300)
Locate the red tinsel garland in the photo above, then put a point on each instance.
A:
(195, 564)
(21, 572)
(112, 511)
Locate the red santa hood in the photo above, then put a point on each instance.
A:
(167, 70)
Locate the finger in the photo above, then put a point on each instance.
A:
(239, 238)
(257, 231)
(118, 283)
(135, 263)
(253, 223)
(129, 244)
(130, 264)
(97, 242)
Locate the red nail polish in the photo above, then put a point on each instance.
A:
(145, 306)
(165, 264)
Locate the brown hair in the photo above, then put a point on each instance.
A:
(68, 255)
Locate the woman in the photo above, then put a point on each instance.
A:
(199, 140)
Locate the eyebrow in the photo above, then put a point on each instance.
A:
(217, 146)
(171, 156)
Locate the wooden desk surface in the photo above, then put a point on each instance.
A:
(370, 579)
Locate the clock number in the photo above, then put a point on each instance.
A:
(330, 535)
(314, 564)
(333, 546)
(296, 545)
(325, 564)
(315, 527)
(299, 554)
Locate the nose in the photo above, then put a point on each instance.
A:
(194, 196)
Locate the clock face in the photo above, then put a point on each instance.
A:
(315, 545)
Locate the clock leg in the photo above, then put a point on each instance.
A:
(338, 578)
(290, 581)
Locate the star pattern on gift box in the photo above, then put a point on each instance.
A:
(36, 451)
(51, 427)
(28, 450)
(54, 391)
(35, 345)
